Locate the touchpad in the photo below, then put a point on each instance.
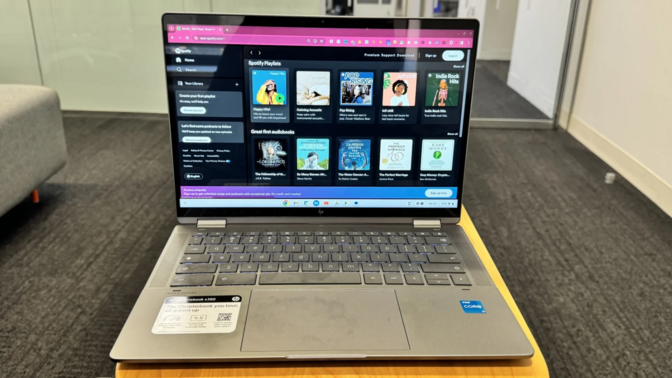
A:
(323, 320)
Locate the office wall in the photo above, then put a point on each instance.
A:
(18, 62)
(105, 55)
(623, 98)
(538, 44)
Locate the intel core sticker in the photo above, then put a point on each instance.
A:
(472, 307)
(215, 314)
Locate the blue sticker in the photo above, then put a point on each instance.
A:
(472, 307)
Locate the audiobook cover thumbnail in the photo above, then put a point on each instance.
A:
(399, 88)
(356, 88)
(354, 155)
(312, 154)
(437, 155)
(271, 154)
(396, 154)
(270, 87)
(442, 88)
(312, 88)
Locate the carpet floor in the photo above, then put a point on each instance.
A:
(589, 264)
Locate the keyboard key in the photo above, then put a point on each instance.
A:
(372, 233)
(443, 268)
(378, 257)
(215, 249)
(436, 276)
(304, 233)
(425, 249)
(231, 239)
(195, 249)
(270, 267)
(312, 248)
(410, 267)
(234, 233)
(330, 267)
(438, 282)
(354, 233)
(398, 240)
(324, 239)
(195, 241)
(371, 267)
(195, 259)
(292, 248)
(388, 233)
(414, 279)
(379, 240)
(445, 249)
(460, 279)
(331, 248)
(269, 239)
(407, 248)
(350, 248)
(252, 233)
(212, 240)
(350, 267)
(247, 268)
(287, 239)
(342, 240)
(250, 240)
(369, 248)
(359, 257)
(388, 248)
(320, 257)
(391, 267)
(281, 257)
(439, 234)
(320, 233)
(192, 280)
(338, 233)
(240, 258)
(309, 278)
(440, 240)
(393, 279)
(398, 258)
(221, 259)
(339, 257)
(269, 233)
(373, 279)
(289, 267)
(361, 240)
(273, 248)
(310, 267)
(423, 233)
(254, 248)
(417, 258)
(217, 233)
(301, 257)
(236, 279)
(196, 268)
(415, 240)
(235, 249)
(404, 233)
(444, 259)
(199, 234)
(287, 233)
(261, 257)
(228, 268)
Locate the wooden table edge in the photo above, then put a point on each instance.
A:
(532, 367)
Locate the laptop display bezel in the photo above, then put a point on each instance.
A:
(322, 22)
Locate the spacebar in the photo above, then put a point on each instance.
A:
(310, 279)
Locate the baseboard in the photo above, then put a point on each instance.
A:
(647, 181)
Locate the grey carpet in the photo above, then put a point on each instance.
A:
(493, 98)
(589, 264)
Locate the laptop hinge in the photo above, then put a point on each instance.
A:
(209, 223)
(426, 223)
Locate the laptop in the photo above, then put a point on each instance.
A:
(319, 165)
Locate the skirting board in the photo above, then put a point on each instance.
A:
(647, 181)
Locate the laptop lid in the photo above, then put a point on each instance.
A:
(341, 117)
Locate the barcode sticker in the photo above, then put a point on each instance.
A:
(215, 314)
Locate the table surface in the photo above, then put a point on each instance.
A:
(533, 367)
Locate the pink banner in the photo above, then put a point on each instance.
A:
(276, 36)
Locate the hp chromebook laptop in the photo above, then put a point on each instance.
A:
(319, 165)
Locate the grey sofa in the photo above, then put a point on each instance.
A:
(32, 143)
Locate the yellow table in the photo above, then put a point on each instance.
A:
(533, 367)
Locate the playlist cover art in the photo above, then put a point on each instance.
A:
(442, 89)
(354, 155)
(399, 88)
(312, 154)
(437, 155)
(396, 154)
(271, 154)
(269, 87)
(356, 88)
(312, 88)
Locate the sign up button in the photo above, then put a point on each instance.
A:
(438, 193)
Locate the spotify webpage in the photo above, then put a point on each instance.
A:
(301, 117)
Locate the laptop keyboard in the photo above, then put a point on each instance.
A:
(224, 258)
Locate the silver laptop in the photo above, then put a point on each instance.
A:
(319, 165)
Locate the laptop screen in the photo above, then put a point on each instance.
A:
(285, 117)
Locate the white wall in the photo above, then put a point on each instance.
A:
(623, 99)
(498, 23)
(18, 62)
(103, 55)
(538, 44)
